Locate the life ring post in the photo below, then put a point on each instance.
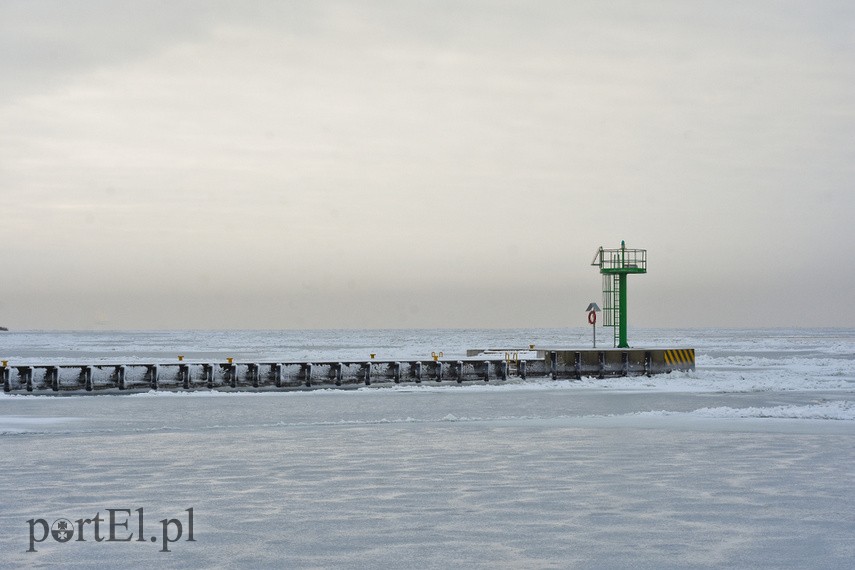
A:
(593, 309)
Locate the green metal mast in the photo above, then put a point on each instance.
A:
(615, 265)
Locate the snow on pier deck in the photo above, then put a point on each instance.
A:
(479, 366)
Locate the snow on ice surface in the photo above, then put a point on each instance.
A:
(23, 424)
(747, 462)
(836, 410)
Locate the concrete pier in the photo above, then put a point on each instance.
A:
(576, 363)
(479, 366)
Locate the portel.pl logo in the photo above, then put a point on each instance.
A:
(116, 527)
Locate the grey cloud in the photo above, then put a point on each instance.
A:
(268, 154)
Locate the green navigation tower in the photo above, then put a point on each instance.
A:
(615, 265)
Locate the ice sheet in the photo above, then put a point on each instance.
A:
(745, 463)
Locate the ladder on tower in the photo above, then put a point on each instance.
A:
(611, 304)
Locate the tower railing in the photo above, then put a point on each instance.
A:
(621, 260)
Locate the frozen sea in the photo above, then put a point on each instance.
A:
(748, 462)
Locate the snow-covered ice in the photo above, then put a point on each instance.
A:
(746, 462)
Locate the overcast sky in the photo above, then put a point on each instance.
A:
(424, 164)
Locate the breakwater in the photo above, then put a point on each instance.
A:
(480, 365)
